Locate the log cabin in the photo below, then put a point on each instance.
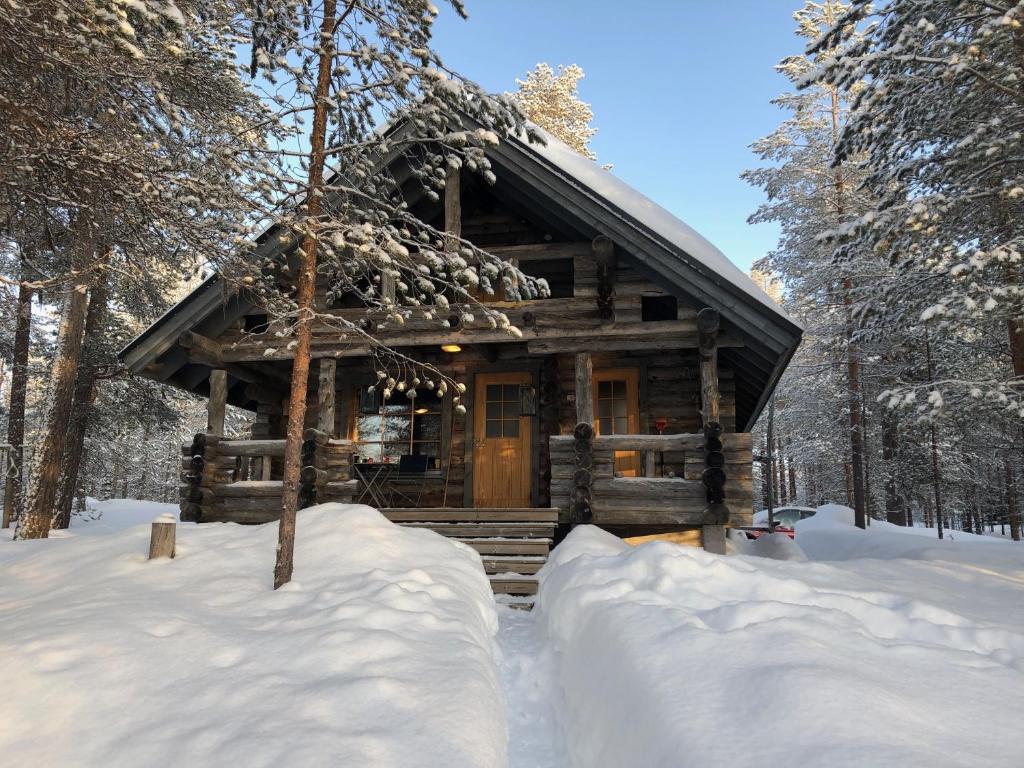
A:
(627, 402)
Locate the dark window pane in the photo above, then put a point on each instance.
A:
(620, 407)
(604, 427)
(618, 389)
(493, 410)
(511, 410)
(604, 408)
(621, 426)
(604, 389)
(493, 392)
(511, 393)
(493, 428)
(428, 427)
(511, 428)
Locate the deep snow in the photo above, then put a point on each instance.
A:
(380, 652)
(843, 648)
(891, 649)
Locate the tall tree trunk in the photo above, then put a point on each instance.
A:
(306, 287)
(14, 482)
(39, 512)
(869, 507)
(85, 395)
(853, 393)
(766, 478)
(792, 477)
(1012, 509)
(932, 434)
(894, 511)
(780, 464)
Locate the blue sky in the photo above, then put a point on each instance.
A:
(679, 89)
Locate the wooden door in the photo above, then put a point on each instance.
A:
(617, 412)
(501, 441)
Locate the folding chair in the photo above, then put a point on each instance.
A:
(407, 484)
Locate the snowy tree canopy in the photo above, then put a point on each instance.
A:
(552, 101)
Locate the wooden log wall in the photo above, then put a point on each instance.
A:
(623, 502)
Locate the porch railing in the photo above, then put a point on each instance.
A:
(219, 483)
(584, 478)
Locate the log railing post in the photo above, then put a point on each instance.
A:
(716, 515)
(311, 477)
(581, 494)
(200, 473)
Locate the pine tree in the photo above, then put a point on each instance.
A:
(552, 101)
(364, 72)
(937, 122)
(138, 167)
(807, 194)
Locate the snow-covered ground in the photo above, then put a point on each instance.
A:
(111, 515)
(854, 648)
(842, 648)
(380, 652)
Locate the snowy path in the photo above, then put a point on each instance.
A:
(533, 697)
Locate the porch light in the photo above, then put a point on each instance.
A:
(421, 411)
(451, 348)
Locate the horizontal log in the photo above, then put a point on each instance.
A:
(250, 489)
(639, 337)
(251, 448)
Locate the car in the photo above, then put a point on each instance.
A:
(786, 519)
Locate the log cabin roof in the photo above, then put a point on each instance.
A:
(562, 189)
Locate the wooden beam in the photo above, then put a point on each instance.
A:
(218, 402)
(707, 333)
(202, 349)
(541, 340)
(604, 256)
(325, 395)
(453, 203)
(584, 388)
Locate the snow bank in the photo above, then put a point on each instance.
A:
(113, 515)
(379, 653)
(671, 656)
(831, 535)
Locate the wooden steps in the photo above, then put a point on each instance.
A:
(513, 542)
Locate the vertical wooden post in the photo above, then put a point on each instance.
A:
(267, 463)
(717, 514)
(707, 329)
(584, 389)
(604, 258)
(325, 395)
(162, 536)
(218, 402)
(582, 480)
(453, 203)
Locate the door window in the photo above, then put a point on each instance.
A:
(502, 404)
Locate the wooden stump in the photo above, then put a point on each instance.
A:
(162, 537)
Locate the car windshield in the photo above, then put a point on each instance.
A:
(786, 517)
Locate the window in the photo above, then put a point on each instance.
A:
(656, 308)
(502, 416)
(401, 426)
(612, 407)
(616, 408)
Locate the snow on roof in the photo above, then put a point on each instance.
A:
(605, 184)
